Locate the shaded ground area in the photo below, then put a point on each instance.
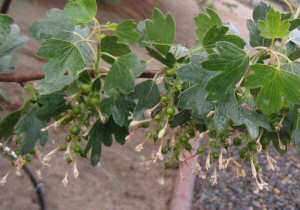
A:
(125, 181)
(232, 193)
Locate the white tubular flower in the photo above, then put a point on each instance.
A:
(101, 116)
(240, 172)
(259, 146)
(136, 123)
(203, 135)
(210, 114)
(75, 170)
(148, 112)
(139, 147)
(160, 80)
(52, 125)
(68, 153)
(226, 162)
(159, 154)
(127, 138)
(161, 181)
(207, 162)
(19, 165)
(39, 173)
(173, 140)
(253, 169)
(3, 180)
(65, 180)
(264, 185)
(181, 157)
(163, 131)
(271, 162)
(198, 171)
(47, 158)
(281, 145)
(260, 183)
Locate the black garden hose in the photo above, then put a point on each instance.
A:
(36, 185)
(5, 6)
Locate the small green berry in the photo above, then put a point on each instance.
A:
(183, 139)
(245, 154)
(178, 86)
(76, 110)
(168, 164)
(201, 150)
(171, 112)
(69, 160)
(68, 138)
(264, 143)
(146, 125)
(157, 117)
(191, 132)
(252, 146)
(63, 147)
(94, 100)
(237, 141)
(76, 138)
(171, 72)
(165, 150)
(85, 88)
(18, 151)
(75, 130)
(215, 155)
(188, 146)
(28, 158)
(164, 99)
(78, 149)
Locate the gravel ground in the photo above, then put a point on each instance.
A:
(232, 193)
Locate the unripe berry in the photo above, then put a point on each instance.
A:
(171, 112)
(168, 164)
(178, 86)
(94, 100)
(85, 88)
(164, 99)
(237, 141)
(68, 138)
(157, 117)
(78, 149)
(215, 155)
(75, 130)
(146, 125)
(245, 154)
(252, 146)
(76, 110)
(69, 160)
(63, 147)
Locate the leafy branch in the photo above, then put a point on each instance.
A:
(237, 98)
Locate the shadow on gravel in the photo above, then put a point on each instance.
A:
(232, 193)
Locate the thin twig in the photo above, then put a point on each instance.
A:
(26, 76)
(19, 77)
